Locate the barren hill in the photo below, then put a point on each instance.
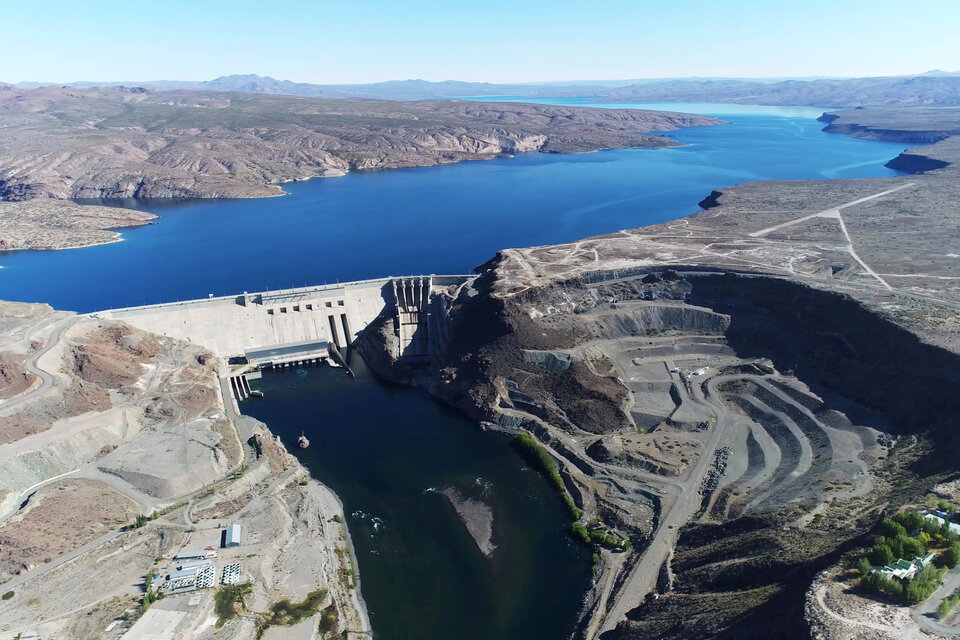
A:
(59, 142)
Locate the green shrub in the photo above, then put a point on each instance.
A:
(880, 555)
(947, 605)
(228, 601)
(876, 582)
(911, 521)
(911, 547)
(286, 613)
(580, 532)
(890, 529)
(952, 555)
(924, 584)
(7, 595)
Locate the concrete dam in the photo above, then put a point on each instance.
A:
(274, 328)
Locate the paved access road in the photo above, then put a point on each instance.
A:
(925, 614)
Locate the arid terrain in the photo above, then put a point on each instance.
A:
(46, 224)
(58, 143)
(742, 392)
(103, 424)
(122, 142)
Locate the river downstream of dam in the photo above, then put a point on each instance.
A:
(399, 461)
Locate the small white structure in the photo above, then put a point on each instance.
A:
(206, 577)
(231, 574)
(183, 573)
(187, 556)
(232, 538)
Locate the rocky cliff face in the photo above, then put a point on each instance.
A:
(840, 346)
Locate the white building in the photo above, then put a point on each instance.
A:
(232, 538)
(953, 525)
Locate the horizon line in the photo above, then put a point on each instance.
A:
(809, 78)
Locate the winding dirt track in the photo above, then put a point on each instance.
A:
(59, 327)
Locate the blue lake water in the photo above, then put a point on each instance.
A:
(436, 219)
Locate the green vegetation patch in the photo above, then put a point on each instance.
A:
(598, 533)
(7, 595)
(593, 533)
(228, 601)
(529, 446)
(948, 605)
(904, 536)
(286, 613)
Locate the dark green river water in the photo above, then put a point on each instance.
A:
(388, 452)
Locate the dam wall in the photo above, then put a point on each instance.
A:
(274, 327)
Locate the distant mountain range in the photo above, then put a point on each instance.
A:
(932, 88)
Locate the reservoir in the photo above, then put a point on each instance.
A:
(432, 220)
(397, 459)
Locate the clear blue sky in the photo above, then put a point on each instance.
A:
(490, 40)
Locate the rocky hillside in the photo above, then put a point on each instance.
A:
(118, 142)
